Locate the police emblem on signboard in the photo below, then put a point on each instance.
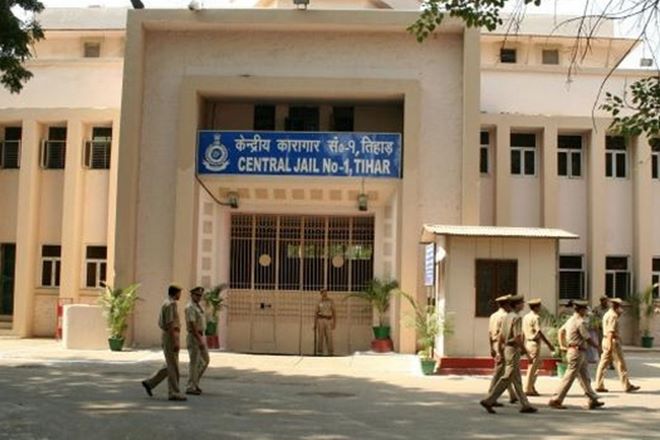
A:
(216, 157)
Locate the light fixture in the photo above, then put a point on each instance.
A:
(300, 3)
(363, 202)
(232, 200)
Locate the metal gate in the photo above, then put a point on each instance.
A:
(278, 265)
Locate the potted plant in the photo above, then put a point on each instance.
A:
(214, 302)
(378, 293)
(642, 306)
(428, 325)
(551, 324)
(118, 304)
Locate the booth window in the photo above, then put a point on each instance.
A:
(10, 148)
(655, 277)
(508, 56)
(483, 152)
(523, 154)
(91, 49)
(569, 156)
(264, 117)
(617, 277)
(571, 277)
(616, 157)
(273, 252)
(97, 151)
(51, 263)
(494, 278)
(95, 265)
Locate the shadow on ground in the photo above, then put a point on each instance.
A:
(103, 401)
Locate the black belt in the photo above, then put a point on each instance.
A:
(324, 317)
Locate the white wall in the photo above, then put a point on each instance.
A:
(619, 217)
(525, 200)
(50, 207)
(95, 214)
(572, 213)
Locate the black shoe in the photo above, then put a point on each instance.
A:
(147, 388)
(594, 404)
(488, 407)
(497, 405)
(528, 410)
(602, 390)
(178, 398)
(193, 392)
(513, 400)
(632, 388)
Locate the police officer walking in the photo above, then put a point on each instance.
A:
(169, 323)
(531, 324)
(494, 329)
(197, 350)
(574, 337)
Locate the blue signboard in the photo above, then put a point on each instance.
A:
(429, 264)
(287, 153)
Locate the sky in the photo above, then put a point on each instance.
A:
(559, 7)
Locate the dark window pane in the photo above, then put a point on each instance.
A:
(91, 274)
(483, 160)
(616, 263)
(550, 56)
(508, 55)
(484, 138)
(654, 166)
(656, 265)
(530, 166)
(264, 117)
(58, 266)
(655, 144)
(55, 154)
(570, 262)
(46, 273)
(609, 285)
(97, 252)
(655, 280)
(103, 269)
(615, 143)
(57, 133)
(100, 155)
(523, 140)
(571, 285)
(342, 118)
(562, 163)
(571, 142)
(622, 284)
(608, 164)
(303, 119)
(102, 133)
(515, 162)
(493, 278)
(620, 165)
(9, 154)
(13, 133)
(576, 164)
(51, 251)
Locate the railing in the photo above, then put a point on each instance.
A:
(53, 154)
(97, 154)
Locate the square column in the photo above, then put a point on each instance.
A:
(549, 179)
(72, 212)
(597, 235)
(29, 183)
(502, 175)
(642, 213)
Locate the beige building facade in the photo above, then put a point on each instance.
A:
(491, 135)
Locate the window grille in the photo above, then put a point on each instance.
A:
(617, 277)
(95, 266)
(51, 263)
(571, 277)
(10, 148)
(91, 50)
(283, 252)
(508, 56)
(97, 151)
(550, 56)
(655, 277)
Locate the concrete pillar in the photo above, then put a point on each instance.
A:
(72, 214)
(27, 256)
(642, 213)
(549, 179)
(470, 201)
(502, 174)
(112, 201)
(596, 211)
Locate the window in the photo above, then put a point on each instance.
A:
(10, 148)
(507, 55)
(655, 277)
(50, 265)
(264, 117)
(483, 152)
(494, 278)
(655, 158)
(571, 277)
(523, 154)
(302, 119)
(97, 151)
(617, 277)
(569, 156)
(550, 56)
(272, 252)
(616, 157)
(53, 153)
(95, 265)
(91, 50)
(343, 118)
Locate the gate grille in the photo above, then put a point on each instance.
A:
(272, 252)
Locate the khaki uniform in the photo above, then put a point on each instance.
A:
(494, 329)
(511, 331)
(577, 335)
(199, 355)
(169, 316)
(612, 352)
(531, 325)
(324, 321)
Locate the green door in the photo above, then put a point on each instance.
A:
(7, 264)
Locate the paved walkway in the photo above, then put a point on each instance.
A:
(51, 393)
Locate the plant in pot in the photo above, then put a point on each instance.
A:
(214, 301)
(642, 306)
(550, 324)
(118, 304)
(378, 294)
